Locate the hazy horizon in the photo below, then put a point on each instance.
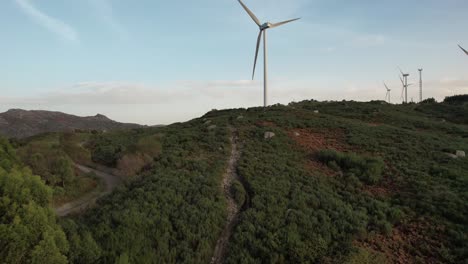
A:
(156, 62)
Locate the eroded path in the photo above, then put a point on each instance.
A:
(80, 204)
(233, 208)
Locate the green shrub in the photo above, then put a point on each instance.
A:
(238, 192)
(456, 99)
(367, 169)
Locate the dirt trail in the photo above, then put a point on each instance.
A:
(233, 208)
(80, 204)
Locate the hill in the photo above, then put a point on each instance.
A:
(17, 123)
(315, 182)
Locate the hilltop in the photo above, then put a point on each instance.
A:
(18, 123)
(308, 182)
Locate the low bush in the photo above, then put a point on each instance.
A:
(367, 169)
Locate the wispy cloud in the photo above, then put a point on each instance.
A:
(183, 100)
(236, 92)
(105, 12)
(52, 24)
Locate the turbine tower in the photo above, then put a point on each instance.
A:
(464, 50)
(387, 95)
(420, 85)
(404, 81)
(263, 31)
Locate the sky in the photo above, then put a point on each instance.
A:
(158, 62)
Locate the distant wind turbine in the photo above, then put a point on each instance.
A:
(404, 81)
(420, 85)
(387, 96)
(263, 29)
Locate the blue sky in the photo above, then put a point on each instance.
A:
(158, 62)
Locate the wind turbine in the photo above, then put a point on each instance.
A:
(420, 85)
(263, 31)
(387, 96)
(404, 81)
(464, 50)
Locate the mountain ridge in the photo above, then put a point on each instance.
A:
(20, 123)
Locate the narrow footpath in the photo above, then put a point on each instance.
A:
(82, 203)
(233, 208)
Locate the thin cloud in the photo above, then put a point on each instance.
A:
(105, 12)
(52, 24)
(183, 100)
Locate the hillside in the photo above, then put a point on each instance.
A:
(17, 123)
(310, 182)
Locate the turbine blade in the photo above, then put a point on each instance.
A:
(256, 53)
(251, 14)
(464, 50)
(402, 92)
(386, 86)
(284, 22)
(401, 79)
(401, 71)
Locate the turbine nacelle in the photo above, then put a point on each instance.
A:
(267, 25)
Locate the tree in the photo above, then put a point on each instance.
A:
(28, 228)
(63, 170)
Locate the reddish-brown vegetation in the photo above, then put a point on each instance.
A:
(313, 141)
(265, 124)
(132, 164)
(405, 242)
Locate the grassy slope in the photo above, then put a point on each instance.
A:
(175, 211)
(299, 210)
(300, 215)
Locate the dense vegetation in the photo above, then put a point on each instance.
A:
(130, 152)
(175, 211)
(28, 229)
(51, 156)
(367, 169)
(340, 182)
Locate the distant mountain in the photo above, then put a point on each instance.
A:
(18, 123)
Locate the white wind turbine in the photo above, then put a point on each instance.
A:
(387, 95)
(263, 29)
(405, 83)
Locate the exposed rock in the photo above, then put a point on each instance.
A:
(269, 135)
(207, 122)
(240, 117)
(453, 156)
(297, 134)
(212, 127)
(460, 154)
(316, 112)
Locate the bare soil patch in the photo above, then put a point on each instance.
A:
(373, 124)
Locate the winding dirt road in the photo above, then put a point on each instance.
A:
(233, 208)
(82, 203)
